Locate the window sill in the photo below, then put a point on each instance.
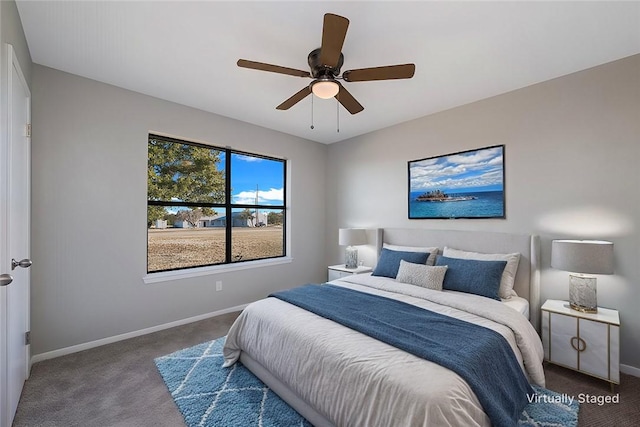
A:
(167, 276)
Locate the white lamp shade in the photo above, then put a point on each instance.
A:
(582, 256)
(325, 89)
(352, 236)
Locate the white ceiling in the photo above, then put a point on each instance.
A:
(186, 52)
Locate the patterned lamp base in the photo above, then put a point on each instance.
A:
(582, 293)
(351, 257)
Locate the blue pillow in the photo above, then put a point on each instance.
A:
(473, 276)
(389, 261)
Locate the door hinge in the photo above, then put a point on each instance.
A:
(27, 338)
(28, 130)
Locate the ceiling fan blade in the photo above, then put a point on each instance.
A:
(299, 96)
(348, 101)
(390, 72)
(272, 68)
(334, 31)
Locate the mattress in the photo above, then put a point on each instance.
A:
(519, 304)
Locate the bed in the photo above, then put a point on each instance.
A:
(336, 376)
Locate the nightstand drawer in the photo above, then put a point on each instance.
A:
(335, 274)
(338, 271)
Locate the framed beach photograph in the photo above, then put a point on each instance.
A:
(468, 184)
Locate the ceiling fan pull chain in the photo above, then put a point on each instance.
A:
(338, 113)
(312, 112)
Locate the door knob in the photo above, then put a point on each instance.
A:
(5, 279)
(24, 263)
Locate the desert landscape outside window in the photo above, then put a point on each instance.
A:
(210, 205)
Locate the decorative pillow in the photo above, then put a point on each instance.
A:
(433, 251)
(427, 276)
(508, 275)
(389, 261)
(473, 276)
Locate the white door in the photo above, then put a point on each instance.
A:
(563, 331)
(15, 224)
(595, 357)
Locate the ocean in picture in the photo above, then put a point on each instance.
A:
(481, 204)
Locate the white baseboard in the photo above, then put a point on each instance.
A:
(97, 343)
(630, 370)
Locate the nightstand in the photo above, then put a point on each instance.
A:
(338, 271)
(585, 342)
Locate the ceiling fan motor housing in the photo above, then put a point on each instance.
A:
(321, 71)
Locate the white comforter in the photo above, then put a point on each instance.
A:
(355, 380)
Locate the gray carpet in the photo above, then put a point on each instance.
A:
(113, 385)
(625, 413)
(118, 385)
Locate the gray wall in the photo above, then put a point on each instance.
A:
(572, 150)
(89, 212)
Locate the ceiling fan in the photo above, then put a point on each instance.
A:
(325, 63)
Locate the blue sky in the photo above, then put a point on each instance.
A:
(249, 171)
(479, 170)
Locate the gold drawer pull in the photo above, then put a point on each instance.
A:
(573, 345)
(581, 344)
(584, 344)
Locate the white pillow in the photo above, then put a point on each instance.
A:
(427, 276)
(433, 251)
(508, 275)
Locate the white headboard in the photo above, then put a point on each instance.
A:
(527, 283)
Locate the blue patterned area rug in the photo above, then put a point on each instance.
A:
(209, 395)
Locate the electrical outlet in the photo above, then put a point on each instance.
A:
(219, 285)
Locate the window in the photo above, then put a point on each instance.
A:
(210, 205)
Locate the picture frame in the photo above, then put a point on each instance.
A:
(467, 184)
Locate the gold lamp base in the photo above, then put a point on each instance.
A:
(583, 309)
(582, 293)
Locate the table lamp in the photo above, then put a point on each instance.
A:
(580, 257)
(351, 237)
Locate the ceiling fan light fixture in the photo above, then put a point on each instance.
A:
(325, 89)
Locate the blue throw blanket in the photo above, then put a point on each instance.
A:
(479, 355)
